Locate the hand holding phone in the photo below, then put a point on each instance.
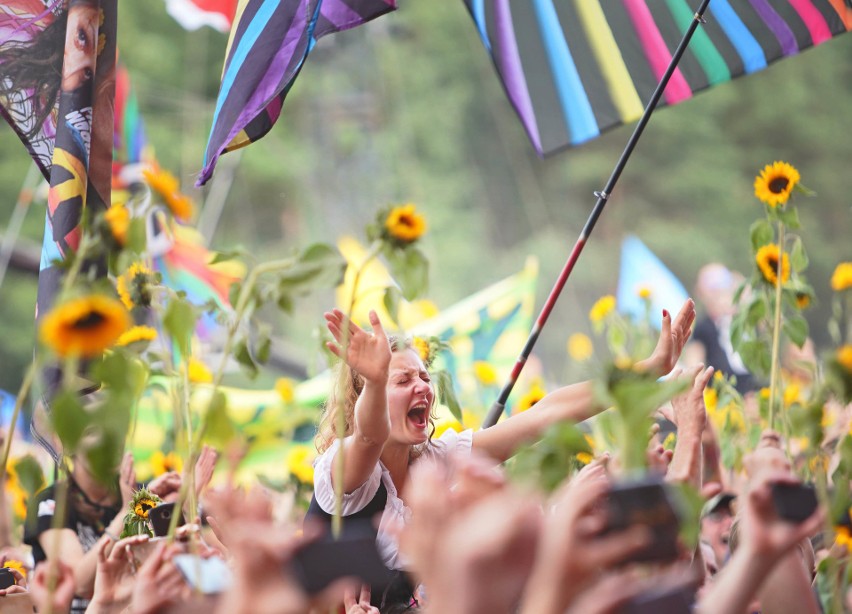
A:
(7, 578)
(646, 502)
(161, 519)
(353, 554)
(794, 502)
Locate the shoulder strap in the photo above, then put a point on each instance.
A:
(375, 506)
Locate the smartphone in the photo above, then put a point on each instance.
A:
(353, 554)
(161, 519)
(677, 600)
(794, 502)
(6, 578)
(208, 576)
(649, 502)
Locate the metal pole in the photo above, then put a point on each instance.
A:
(500, 404)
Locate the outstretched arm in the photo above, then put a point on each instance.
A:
(576, 402)
(369, 354)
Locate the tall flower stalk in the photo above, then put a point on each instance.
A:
(776, 330)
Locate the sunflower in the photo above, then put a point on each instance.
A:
(299, 463)
(485, 373)
(84, 326)
(118, 220)
(602, 308)
(644, 293)
(135, 286)
(168, 187)
(16, 565)
(404, 224)
(792, 395)
(584, 457)
(198, 372)
(423, 349)
(16, 492)
(803, 300)
(841, 279)
(580, 347)
(143, 506)
(284, 388)
(533, 396)
(137, 334)
(164, 463)
(767, 262)
(775, 182)
(844, 357)
(842, 536)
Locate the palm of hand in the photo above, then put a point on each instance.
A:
(369, 355)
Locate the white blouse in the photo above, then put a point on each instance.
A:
(396, 513)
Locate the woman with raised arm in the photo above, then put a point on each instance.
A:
(387, 402)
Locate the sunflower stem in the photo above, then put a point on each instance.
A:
(776, 328)
(340, 415)
(195, 443)
(19, 401)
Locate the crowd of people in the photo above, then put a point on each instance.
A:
(446, 531)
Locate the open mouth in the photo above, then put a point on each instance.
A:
(418, 417)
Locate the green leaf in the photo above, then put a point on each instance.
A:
(688, 502)
(137, 235)
(244, 358)
(319, 266)
(179, 323)
(798, 256)
(411, 269)
(228, 255)
(756, 311)
(264, 345)
(391, 301)
(755, 354)
(219, 428)
(447, 393)
(761, 234)
(797, 329)
(69, 419)
(789, 216)
(30, 474)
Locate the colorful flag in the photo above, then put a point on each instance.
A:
(642, 270)
(576, 68)
(57, 84)
(195, 14)
(269, 42)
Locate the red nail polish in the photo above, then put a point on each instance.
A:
(665, 313)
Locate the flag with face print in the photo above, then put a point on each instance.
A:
(57, 84)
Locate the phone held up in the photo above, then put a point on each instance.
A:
(649, 502)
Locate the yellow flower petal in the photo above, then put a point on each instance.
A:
(775, 183)
(84, 326)
(841, 279)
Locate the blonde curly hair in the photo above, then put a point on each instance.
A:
(345, 391)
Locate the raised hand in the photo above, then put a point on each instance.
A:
(52, 573)
(204, 467)
(689, 411)
(368, 353)
(673, 336)
(114, 577)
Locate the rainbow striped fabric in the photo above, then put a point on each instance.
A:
(574, 68)
(269, 42)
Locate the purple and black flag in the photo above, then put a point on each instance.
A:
(57, 84)
(575, 68)
(269, 42)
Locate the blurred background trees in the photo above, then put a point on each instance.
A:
(408, 108)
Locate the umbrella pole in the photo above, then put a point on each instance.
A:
(499, 405)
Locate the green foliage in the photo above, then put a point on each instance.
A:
(179, 321)
(547, 463)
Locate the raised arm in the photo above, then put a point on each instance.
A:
(369, 354)
(576, 402)
(690, 417)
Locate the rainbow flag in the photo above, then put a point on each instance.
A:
(269, 42)
(575, 68)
